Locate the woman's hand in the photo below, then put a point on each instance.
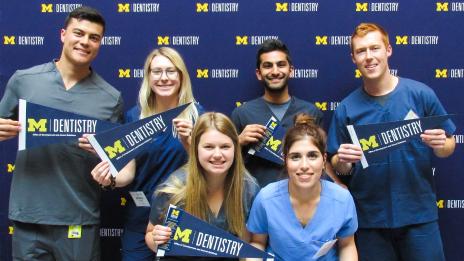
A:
(101, 173)
(184, 129)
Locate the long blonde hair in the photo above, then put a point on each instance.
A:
(193, 195)
(147, 98)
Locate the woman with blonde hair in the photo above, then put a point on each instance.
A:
(304, 217)
(214, 185)
(165, 85)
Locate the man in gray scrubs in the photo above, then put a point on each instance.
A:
(274, 69)
(54, 203)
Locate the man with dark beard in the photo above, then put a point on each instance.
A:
(273, 68)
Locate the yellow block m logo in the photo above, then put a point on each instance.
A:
(123, 201)
(274, 144)
(10, 167)
(321, 105)
(321, 40)
(361, 7)
(367, 144)
(10, 230)
(442, 6)
(202, 7)
(47, 8)
(241, 40)
(238, 104)
(123, 8)
(175, 213)
(202, 73)
(401, 39)
(183, 235)
(163, 40)
(115, 149)
(441, 203)
(441, 73)
(33, 125)
(9, 39)
(124, 73)
(357, 73)
(281, 7)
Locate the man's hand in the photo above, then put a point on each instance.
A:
(8, 129)
(436, 139)
(347, 154)
(251, 134)
(85, 144)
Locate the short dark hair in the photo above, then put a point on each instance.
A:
(270, 45)
(85, 13)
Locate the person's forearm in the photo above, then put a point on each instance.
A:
(341, 167)
(150, 242)
(347, 249)
(447, 149)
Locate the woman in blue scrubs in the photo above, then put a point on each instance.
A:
(304, 217)
(165, 85)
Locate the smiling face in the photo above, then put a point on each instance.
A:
(370, 54)
(304, 163)
(81, 42)
(274, 71)
(215, 153)
(164, 78)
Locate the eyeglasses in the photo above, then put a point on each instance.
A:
(170, 73)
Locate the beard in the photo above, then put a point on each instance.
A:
(276, 88)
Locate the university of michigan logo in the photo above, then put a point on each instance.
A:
(370, 143)
(202, 73)
(34, 126)
(273, 143)
(202, 7)
(441, 73)
(10, 167)
(9, 40)
(183, 235)
(281, 7)
(117, 148)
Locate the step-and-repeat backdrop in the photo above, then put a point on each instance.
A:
(219, 40)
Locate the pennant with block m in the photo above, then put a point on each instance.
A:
(270, 147)
(376, 140)
(120, 145)
(42, 125)
(192, 236)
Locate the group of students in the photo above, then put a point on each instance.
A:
(204, 170)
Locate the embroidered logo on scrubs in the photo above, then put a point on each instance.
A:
(75, 231)
(411, 115)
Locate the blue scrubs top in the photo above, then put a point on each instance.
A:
(399, 189)
(164, 156)
(272, 214)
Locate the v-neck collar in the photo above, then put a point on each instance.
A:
(59, 78)
(294, 219)
(291, 102)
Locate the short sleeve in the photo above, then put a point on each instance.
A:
(9, 101)
(250, 192)
(159, 207)
(118, 115)
(435, 108)
(350, 224)
(338, 133)
(236, 120)
(257, 220)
